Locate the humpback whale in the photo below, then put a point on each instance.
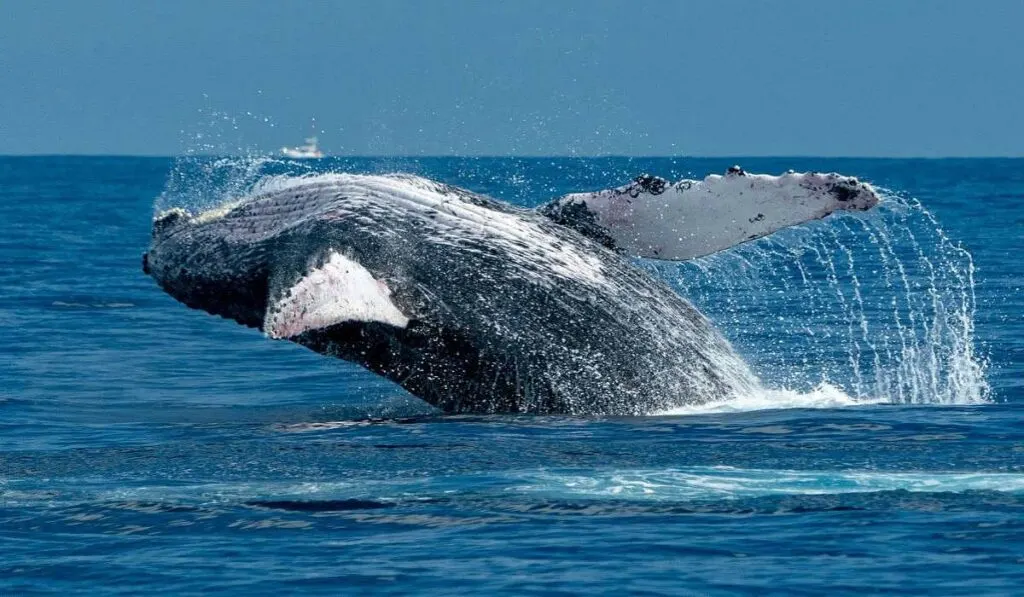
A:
(476, 305)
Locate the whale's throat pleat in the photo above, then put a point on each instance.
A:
(339, 290)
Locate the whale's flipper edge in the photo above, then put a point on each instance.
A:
(338, 291)
(653, 218)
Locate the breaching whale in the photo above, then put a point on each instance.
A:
(475, 305)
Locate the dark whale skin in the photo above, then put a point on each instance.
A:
(507, 310)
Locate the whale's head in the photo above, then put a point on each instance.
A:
(192, 259)
(163, 223)
(305, 254)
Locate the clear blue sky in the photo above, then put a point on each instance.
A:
(526, 77)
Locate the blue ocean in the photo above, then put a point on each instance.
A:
(148, 447)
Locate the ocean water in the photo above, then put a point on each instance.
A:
(145, 446)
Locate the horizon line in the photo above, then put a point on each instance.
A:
(523, 157)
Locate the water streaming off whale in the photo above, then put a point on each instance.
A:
(881, 306)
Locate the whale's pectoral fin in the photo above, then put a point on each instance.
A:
(653, 218)
(336, 291)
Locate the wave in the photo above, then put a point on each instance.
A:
(723, 482)
(92, 305)
(679, 485)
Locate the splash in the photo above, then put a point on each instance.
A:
(824, 395)
(201, 182)
(217, 165)
(847, 311)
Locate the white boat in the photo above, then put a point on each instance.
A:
(302, 152)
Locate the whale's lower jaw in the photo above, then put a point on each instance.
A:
(243, 299)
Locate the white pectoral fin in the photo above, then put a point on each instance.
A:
(338, 291)
(689, 219)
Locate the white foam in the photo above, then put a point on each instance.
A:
(698, 483)
(724, 482)
(823, 396)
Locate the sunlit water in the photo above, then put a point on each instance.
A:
(146, 445)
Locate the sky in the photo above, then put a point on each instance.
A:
(900, 78)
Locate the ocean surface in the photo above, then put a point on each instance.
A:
(148, 447)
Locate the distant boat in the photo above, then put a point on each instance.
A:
(303, 152)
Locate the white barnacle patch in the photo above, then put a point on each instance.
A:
(338, 291)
